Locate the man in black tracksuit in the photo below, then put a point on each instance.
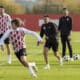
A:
(65, 28)
(49, 29)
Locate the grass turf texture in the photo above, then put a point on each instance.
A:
(15, 71)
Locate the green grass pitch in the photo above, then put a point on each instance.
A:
(15, 71)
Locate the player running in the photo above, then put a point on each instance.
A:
(49, 30)
(16, 35)
(5, 24)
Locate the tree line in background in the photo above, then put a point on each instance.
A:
(55, 6)
(12, 7)
(40, 6)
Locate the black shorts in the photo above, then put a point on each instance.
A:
(52, 44)
(21, 52)
(6, 41)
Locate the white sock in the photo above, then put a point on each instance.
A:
(61, 61)
(9, 59)
(47, 64)
(32, 64)
(32, 71)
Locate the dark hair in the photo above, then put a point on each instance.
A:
(46, 16)
(16, 21)
(65, 8)
(1, 6)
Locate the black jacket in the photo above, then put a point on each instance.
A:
(65, 25)
(49, 30)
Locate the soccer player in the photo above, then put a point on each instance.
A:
(65, 28)
(5, 24)
(49, 29)
(16, 35)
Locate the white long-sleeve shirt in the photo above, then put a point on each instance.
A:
(17, 37)
(5, 23)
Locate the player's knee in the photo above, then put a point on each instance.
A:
(24, 63)
(56, 54)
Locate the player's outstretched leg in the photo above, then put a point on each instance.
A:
(28, 65)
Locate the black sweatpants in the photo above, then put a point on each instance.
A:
(65, 39)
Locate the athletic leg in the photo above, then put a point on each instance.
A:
(26, 64)
(69, 47)
(55, 50)
(45, 53)
(7, 43)
(8, 53)
(63, 41)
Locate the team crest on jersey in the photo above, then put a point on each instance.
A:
(44, 28)
(67, 19)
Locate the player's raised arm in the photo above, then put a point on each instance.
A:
(32, 33)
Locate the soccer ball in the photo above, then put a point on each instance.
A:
(76, 56)
(66, 58)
